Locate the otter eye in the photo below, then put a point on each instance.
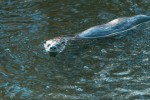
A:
(48, 45)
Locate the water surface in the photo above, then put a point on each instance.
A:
(110, 68)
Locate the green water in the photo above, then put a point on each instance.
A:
(114, 68)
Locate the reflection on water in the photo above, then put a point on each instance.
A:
(110, 68)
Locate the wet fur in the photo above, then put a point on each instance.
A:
(114, 27)
(106, 30)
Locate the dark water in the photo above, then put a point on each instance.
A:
(114, 68)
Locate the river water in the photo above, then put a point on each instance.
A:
(115, 68)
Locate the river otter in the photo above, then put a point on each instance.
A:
(113, 27)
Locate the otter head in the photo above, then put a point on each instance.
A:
(55, 46)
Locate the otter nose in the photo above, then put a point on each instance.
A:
(53, 48)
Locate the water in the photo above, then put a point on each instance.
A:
(112, 68)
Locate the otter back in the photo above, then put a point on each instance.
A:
(113, 27)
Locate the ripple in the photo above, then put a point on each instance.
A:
(13, 90)
(110, 68)
(123, 73)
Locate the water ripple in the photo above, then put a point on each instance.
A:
(110, 68)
